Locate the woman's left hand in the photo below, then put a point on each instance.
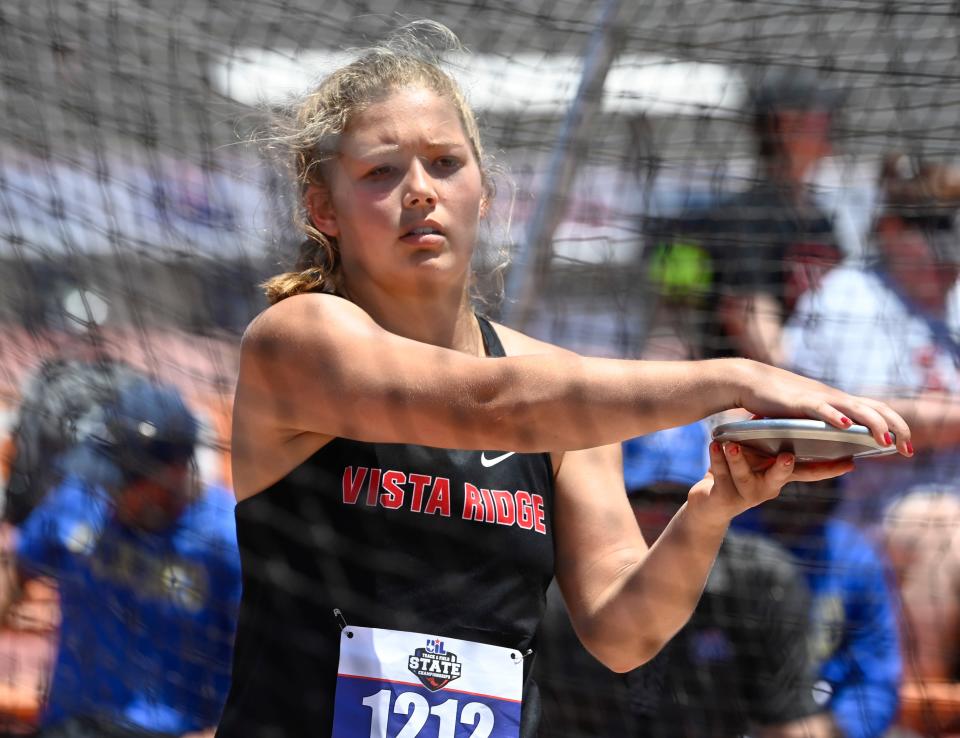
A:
(738, 480)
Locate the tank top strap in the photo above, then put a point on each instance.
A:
(491, 341)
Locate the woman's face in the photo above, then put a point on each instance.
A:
(405, 196)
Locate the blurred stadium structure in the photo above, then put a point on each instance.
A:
(122, 169)
(129, 200)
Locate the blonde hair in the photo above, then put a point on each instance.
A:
(310, 136)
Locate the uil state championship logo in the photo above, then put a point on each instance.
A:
(376, 696)
(433, 665)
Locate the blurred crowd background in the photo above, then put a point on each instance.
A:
(680, 179)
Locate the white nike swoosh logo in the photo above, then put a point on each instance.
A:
(496, 459)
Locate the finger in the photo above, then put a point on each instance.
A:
(758, 460)
(818, 470)
(835, 414)
(720, 469)
(863, 412)
(780, 472)
(740, 471)
(718, 465)
(897, 425)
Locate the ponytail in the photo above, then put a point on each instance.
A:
(316, 270)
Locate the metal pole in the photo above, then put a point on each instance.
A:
(534, 254)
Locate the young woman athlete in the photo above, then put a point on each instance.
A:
(411, 476)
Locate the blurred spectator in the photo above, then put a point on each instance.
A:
(772, 242)
(148, 573)
(855, 632)
(740, 664)
(922, 533)
(55, 400)
(892, 330)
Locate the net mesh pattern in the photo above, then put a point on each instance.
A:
(137, 222)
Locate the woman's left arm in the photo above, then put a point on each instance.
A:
(627, 600)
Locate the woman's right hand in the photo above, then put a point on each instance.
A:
(776, 393)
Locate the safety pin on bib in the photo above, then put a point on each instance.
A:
(341, 621)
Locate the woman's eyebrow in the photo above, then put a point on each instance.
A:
(445, 145)
(366, 154)
(373, 151)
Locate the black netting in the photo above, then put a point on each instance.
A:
(678, 179)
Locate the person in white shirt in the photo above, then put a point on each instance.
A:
(892, 328)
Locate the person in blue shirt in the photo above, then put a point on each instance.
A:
(856, 638)
(148, 572)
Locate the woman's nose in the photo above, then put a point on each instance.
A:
(420, 190)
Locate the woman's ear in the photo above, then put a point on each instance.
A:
(320, 209)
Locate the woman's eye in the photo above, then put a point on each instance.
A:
(381, 171)
(448, 162)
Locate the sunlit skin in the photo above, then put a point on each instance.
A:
(404, 198)
(397, 357)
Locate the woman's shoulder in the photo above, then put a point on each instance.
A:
(315, 315)
(311, 314)
(296, 307)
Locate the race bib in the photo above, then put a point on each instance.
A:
(394, 684)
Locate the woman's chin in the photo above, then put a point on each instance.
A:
(442, 264)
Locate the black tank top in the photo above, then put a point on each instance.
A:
(456, 543)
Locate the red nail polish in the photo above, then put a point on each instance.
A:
(734, 449)
(909, 448)
(887, 438)
(846, 421)
(715, 447)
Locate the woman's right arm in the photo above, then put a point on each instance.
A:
(319, 364)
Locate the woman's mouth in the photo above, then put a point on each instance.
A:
(425, 235)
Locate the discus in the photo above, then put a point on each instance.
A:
(808, 440)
